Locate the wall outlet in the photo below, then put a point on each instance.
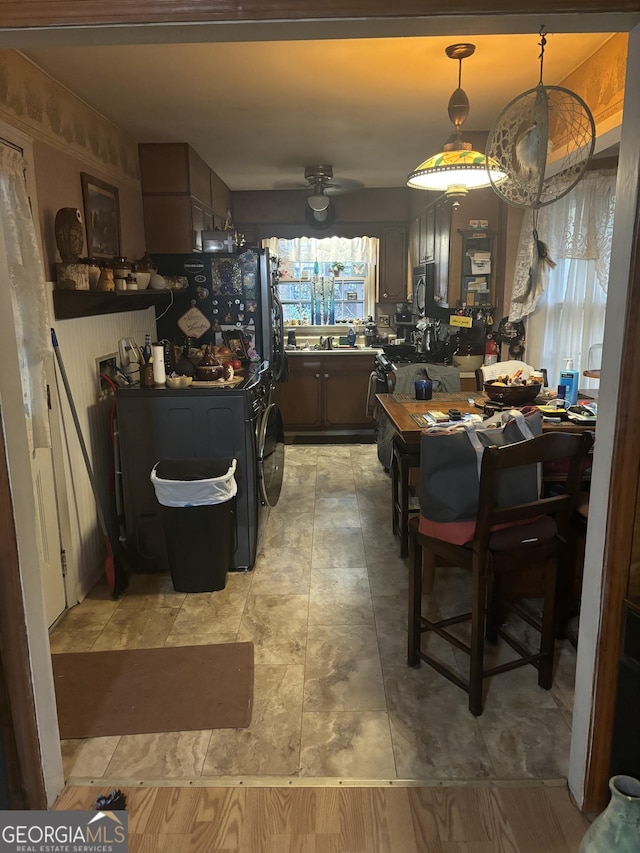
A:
(106, 367)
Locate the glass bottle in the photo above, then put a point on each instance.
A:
(184, 365)
(94, 273)
(146, 349)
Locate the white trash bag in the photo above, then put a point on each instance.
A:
(194, 492)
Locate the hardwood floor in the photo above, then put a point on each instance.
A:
(526, 818)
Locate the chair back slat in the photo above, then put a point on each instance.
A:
(544, 448)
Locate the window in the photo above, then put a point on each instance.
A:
(326, 281)
(566, 308)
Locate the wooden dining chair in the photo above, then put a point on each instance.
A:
(507, 540)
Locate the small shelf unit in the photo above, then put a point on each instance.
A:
(69, 304)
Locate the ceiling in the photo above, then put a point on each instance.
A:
(259, 112)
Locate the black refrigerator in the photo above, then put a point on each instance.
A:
(229, 298)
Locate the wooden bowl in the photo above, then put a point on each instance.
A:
(512, 395)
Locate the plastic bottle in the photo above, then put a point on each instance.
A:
(569, 378)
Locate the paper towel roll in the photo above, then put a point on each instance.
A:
(157, 359)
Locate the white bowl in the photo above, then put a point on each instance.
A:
(468, 363)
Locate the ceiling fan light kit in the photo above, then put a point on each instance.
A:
(457, 168)
(318, 201)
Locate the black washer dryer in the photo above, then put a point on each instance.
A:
(195, 423)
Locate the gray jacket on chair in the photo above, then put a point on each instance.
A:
(444, 378)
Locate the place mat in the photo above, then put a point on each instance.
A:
(136, 691)
(453, 396)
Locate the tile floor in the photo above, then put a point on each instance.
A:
(326, 610)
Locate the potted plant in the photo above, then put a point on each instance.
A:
(336, 268)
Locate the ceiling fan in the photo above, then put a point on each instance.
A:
(320, 213)
(318, 177)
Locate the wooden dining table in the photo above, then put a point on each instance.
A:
(407, 417)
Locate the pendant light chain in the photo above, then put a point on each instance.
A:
(542, 43)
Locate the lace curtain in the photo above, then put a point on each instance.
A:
(326, 250)
(579, 225)
(567, 317)
(21, 269)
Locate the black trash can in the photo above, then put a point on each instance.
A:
(197, 500)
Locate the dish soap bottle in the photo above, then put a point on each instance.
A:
(569, 378)
(351, 335)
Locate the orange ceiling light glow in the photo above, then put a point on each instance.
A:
(457, 168)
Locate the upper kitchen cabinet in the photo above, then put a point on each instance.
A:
(181, 196)
(422, 237)
(392, 281)
(174, 168)
(442, 211)
(437, 236)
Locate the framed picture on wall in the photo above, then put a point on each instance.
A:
(102, 217)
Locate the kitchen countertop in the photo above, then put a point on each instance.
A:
(336, 351)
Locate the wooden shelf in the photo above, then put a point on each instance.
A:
(69, 304)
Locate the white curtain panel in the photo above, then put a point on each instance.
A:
(567, 316)
(21, 268)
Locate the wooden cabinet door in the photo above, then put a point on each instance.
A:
(199, 178)
(442, 243)
(346, 383)
(197, 225)
(168, 223)
(428, 233)
(345, 401)
(164, 167)
(392, 285)
(300, 399)
(414, 243)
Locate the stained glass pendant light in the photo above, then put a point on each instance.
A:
(457, 168)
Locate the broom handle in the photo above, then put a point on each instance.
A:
(83, 446)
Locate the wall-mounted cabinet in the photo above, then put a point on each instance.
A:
(422, 237)
(392, 277)
(181, 196)
(430, 241)
(442, 250)
(174, 168)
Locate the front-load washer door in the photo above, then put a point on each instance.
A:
(270, 455)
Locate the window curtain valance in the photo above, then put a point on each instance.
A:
(327, 250)
(324, 250)
(577, 226)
